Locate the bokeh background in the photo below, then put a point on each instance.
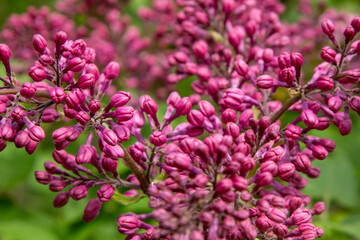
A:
(26, 210)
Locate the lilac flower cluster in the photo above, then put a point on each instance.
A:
(232, 170)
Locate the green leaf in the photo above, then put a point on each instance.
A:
(337, 181)
(121, 199)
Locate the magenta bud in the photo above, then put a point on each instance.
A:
(113, 152)
(324, 83)
(335, 104)
(60, 38)
(105, 192)
(228, 115)
(61, 199)
(292, 132)
(232, 129)
(345, 127)
(296, 60)
(79, 192)
(28, 90)
(355, 103)
(183, 107)
(84, 155)
(276, 215)
(94, 106)
(46, 60)
(37, 73)
(76, 64)
(195, 118)
(36, 133)
(78, 47)
(109, 164)
(318, 208)
(206, 108)
(286, 171)
(86, 81)
(112, 70)
(287, 75)
(68, 77)
(110, 137)
(56, 185)
(269, 166)
(122, 132)
(128, 224)
(264, 179)
(349, 33)
(280, 230)
(251, 28)
(302, 162)
(57, 94)
(301, 216)
(173, 99)
(5, 53)
(21, 139)
(328, 27)
(309, 117)
(39, 43)
(263, 223)
(92, 210)
(241, 67)
(355, 23)
(42, 177)
(158, 138)
(82, 118)
(328, 54)
(228, 6)
(200, 49)
(323, 124)
(224, 185)
(124, 113)
(265, 82)
(148, 105)
(284, 60)
(319, 152)
(236, 35)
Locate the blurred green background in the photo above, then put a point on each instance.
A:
(26, 210)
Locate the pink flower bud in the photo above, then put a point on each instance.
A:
(296, 60)
(39, 43)
(265, 82)
(79, 192)
(263, 223)
(328, 27)
(292, 132)
(183, 106)
(276, 215)
(302, 162)
(28, 90)
(301, 216)
(236, 35)
(36, 133)
(82, 118)
(112, 70)
(158, 138)
(355, 23)
(57, 94)
(37, 74)
(200, 49)
(328, 54)
(148, 105)
(56, 185)
(61, 199)
(224, 186)
(105, 192)
(228, 6)
(345, 127)
(92, 210)
(94, 106)
(241, 67)
(286, 171)
(206, 108)
(309, 117)
(287, 75)
(318, 208)
(324, 83)
(228, 115)
(349, 33)
(264, 179)
(334, 104)
(280, 230)
(76, 64)
(78, 47)
(42, 177)
(128, 224)
(124, 113)
(284, 60)
(86, 81)
(60, 38)
(319, 152)
(195, 118)
(5, 53)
